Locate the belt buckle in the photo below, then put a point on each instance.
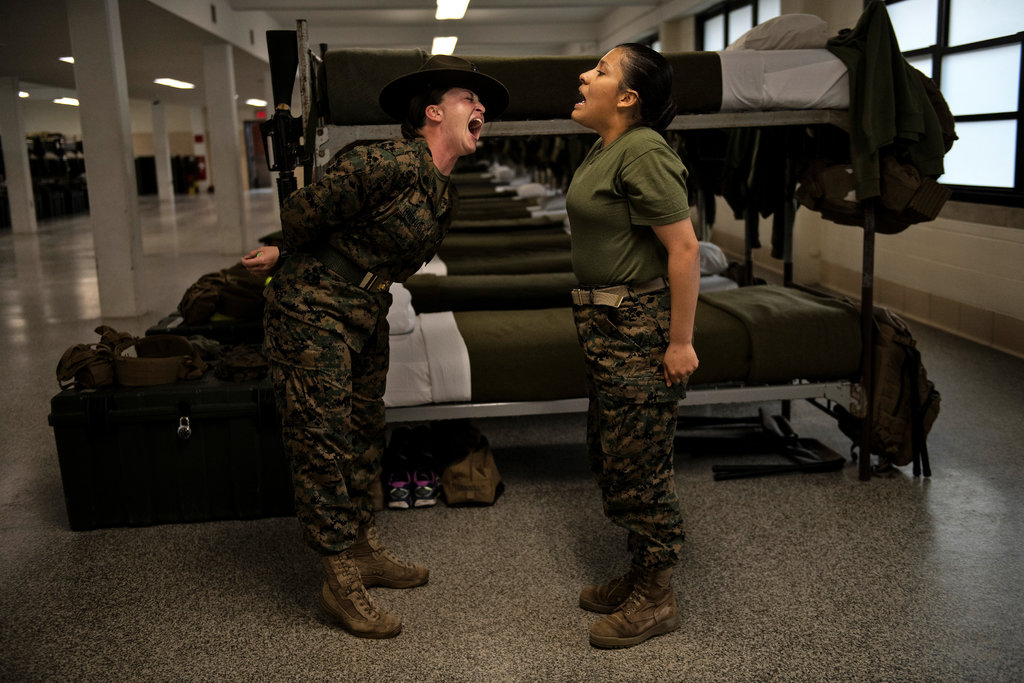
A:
(374, 282)
(583, 297)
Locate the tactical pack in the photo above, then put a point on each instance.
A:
(233, 293)
(905, 402)
(123, 359)
(471, 476)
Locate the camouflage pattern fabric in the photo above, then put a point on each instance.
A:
(379, 205)
(631, 423)
(331, 402)
(386, 208)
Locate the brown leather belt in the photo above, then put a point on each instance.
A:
(613, 296)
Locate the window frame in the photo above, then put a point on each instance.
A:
(724, 9)
(940, 49)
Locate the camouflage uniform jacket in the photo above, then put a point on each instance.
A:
(386, 207)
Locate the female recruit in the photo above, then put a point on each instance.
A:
(635, 255)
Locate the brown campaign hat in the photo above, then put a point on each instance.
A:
(443, 71)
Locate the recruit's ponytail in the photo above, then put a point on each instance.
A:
(649, 74)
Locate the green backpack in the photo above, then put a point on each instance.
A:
(905, 402)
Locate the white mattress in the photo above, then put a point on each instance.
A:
(428, 365)
(783, 79)
(434, 266)
(408, 382)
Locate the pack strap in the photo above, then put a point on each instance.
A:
(159, 359)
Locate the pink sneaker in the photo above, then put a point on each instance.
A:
(399, 490)
(424, 488)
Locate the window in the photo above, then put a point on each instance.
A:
(973, 51)
(724, 23)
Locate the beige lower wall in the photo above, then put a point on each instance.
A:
(180, 143)
(961, 276)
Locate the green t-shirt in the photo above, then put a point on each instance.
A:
(616, 195)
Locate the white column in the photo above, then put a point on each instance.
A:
(162, 153)
(19, 177)
(219, 83)
(199, 150)
(95, 28)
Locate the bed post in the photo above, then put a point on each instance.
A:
(752, 225)
(867, 335)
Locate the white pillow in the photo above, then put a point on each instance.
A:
(785, 32)
(712, 259)
(531, 190)
(401, 316)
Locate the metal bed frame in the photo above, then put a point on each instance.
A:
(854, 396)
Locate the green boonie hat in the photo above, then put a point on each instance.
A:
(443, 71)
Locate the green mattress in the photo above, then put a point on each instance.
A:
(355, 77)
(510, 262)
(431, 293)
(751, 335)
(457, 243)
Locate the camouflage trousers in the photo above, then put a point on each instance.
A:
(631, 423)
(331, 402)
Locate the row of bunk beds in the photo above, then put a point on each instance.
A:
(492, 352)
(486, 329)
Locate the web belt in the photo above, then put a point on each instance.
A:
(613, 296)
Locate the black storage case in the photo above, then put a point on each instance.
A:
(225, 331)
(125, 459)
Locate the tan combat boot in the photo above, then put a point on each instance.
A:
(344, 600)
(650, 610)
(378, 567)
(605, 597)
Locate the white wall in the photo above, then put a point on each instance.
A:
(47, 117)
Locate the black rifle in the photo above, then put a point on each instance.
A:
(282, 133)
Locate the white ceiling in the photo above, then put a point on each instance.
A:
(165, 37)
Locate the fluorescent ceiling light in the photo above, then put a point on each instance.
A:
(69, 60)
(451, 9)
(170, 82)
(444, 45)
(71, 101)
(22, 94)
(252, 101)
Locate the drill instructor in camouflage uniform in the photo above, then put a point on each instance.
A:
(636, 256)
(377, 215)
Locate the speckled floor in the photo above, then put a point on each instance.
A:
(816, 577)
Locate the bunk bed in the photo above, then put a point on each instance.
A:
(714, 91)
